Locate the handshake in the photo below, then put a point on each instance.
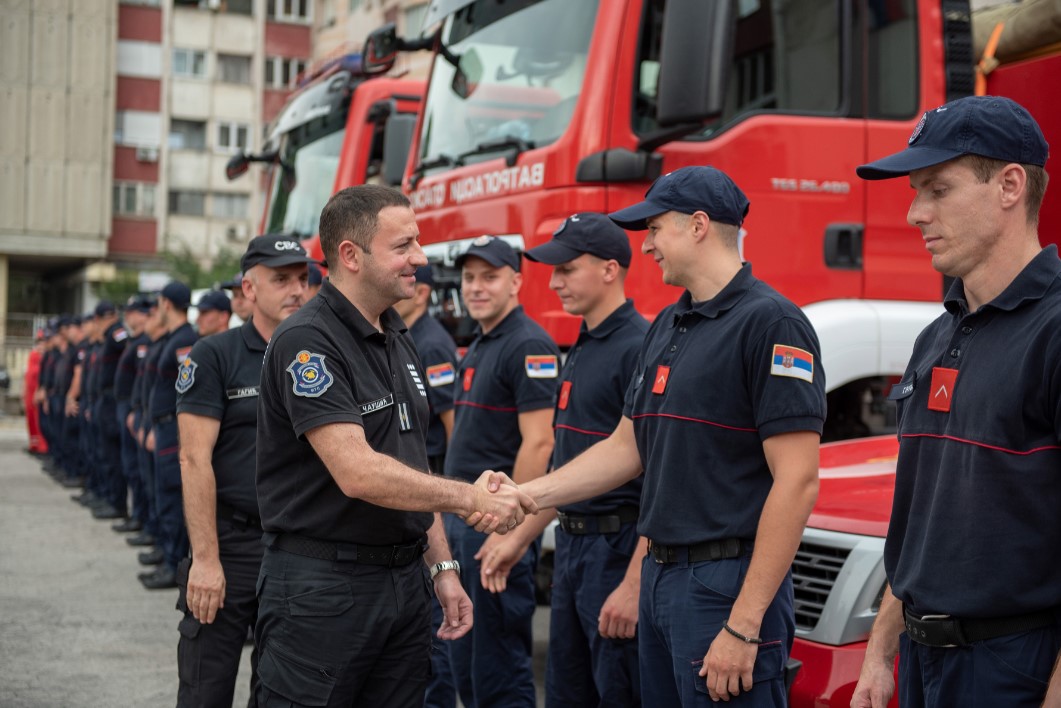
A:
(497, 504)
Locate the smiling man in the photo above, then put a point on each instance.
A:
(344, 491)
(973, 605)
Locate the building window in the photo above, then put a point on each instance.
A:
(238, 7)
(232, 69)
(137, 128)
(290, 10)
(134, 199)
(231, 136)
(281, 72)
(189, 63)
(229, 206)
(187, 134)
(187, 203)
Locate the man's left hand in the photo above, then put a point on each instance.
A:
(456, 606)
(618, 615)
(728, 666)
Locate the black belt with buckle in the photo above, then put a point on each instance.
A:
(707, 551)
(389, 556)
(234, 515)
(946, 631)
(601, 523)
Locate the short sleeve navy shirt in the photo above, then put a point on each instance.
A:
(164, 392)
(438, 353)
(590, 399)
(111, 349)
(976, 523)
(510, 370)
(327, 364)
(715, 379)
(223, 375)
(146, 374)
(125, 372)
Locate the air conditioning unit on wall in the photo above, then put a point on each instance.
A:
(147, 154)
(237, 232)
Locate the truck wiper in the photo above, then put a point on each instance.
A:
(443, 160)
(509, 142)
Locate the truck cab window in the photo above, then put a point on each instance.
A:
(891, 81)
(786, 58)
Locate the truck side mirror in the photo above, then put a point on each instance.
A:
(696, 51)
(381, 49)
(237, 166)
(397, 140)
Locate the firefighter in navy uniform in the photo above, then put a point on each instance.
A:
(343, 485)
(727, 436)
(597, 572)
(146, 373)
(173, 304)
(137, 310)
(506, 386)
(973, 605)
(113, 341)
(438, 354)
(217, 414)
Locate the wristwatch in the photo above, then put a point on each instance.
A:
(445, 565)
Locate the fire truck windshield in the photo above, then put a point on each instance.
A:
(508, 79)
(302, 183)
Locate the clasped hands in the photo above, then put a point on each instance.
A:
(498, 505)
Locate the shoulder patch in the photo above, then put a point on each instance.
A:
(309, 376)
(141, 351)
(441, 375)
(541, 366)
(120, 335)
(186, 375)
(793, 362)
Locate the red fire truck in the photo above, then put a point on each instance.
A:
(536, 109)
(339, 129)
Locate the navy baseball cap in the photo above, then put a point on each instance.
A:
(588, 232)
(316, 277)
(214, 300)
(235, 284)
(177, 293)
(493, 250)
(688, 190)
(274, 251)
(65, 320)
(140, 303)
(104, 308)
(425, 275)
(989, 126)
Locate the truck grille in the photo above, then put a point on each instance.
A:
(814, 571)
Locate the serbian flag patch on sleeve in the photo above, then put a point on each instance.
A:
(542, 367)
(792, 361)
(441, 375)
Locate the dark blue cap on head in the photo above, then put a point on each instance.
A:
(140, 303)
(989, 126)
(177, 293)
(316, 277)
(493, 250)
(104, 308)
(686, 191)
(214, 300)
(235, 284)
(425, 275)
(65, 320)
(273, 251)
(588, 232)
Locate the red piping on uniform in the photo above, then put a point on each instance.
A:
(168, 451)
(980, 444)
(584, 432)
(695, 420)
(489, 408)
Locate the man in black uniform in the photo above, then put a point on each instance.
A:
(113, 340)
(973, 605)
(241, 306)
(438, 354)
(217, 413)
(140, 426)
(316, 279)
(343, 484)
(724, 415)
(173, 304)
(215, 309)
(597, 564)
(137, 310)
(503, 421)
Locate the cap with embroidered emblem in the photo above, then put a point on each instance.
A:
(493, 250)
(273, 251)
(587, 232)
(687, 191)
(988, 126)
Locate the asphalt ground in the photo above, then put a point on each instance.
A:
(77, 629)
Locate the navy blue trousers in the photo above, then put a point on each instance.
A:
(172, 533)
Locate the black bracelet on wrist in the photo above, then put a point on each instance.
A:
(738, 635)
